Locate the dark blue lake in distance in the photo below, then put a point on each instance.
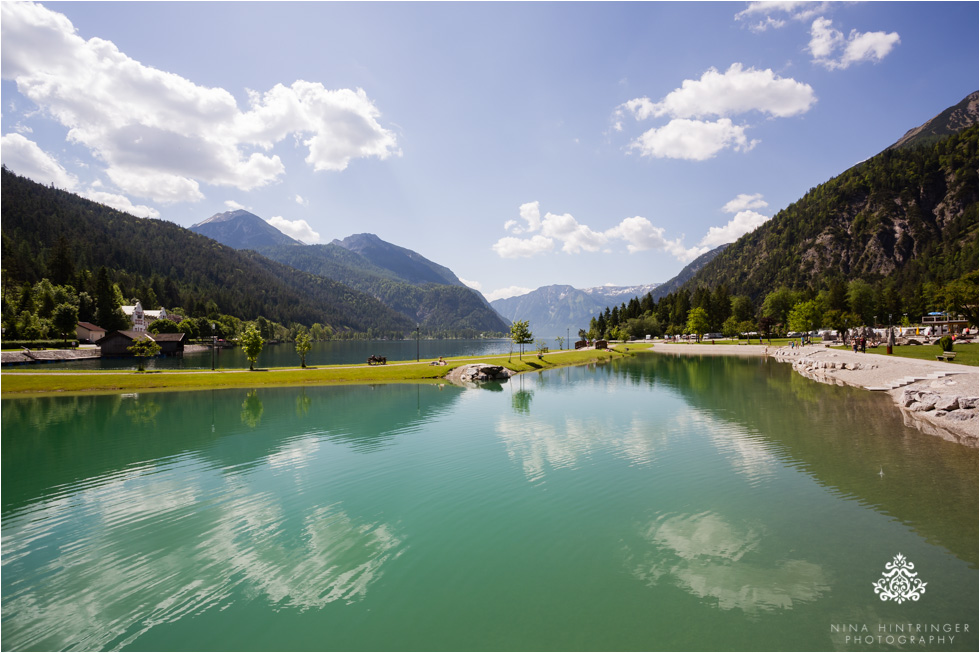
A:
(331, 352)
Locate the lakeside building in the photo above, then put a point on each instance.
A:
(116, 344)
(141, 318)
(88, 332)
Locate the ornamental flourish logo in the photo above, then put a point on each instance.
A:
(899, 583)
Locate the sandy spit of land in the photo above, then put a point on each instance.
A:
(913, 384)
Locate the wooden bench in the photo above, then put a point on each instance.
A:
(946, 356)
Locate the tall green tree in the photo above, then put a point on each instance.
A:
(65, 319)
(108, 315)
(778, 304)
(142, 348)
(861, 299)
(520, 333)
(698, 322)
(61, 264)
(742, 308)
(960, 296)
(805, 316)
(251, 342)
(303, 346)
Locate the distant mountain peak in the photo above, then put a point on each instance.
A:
(228, 216)
(407, 264)
(562, 309)
(241, 229)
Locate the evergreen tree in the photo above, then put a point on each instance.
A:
(108, 315)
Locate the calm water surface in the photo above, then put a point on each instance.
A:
(656, 503)
(331, 352)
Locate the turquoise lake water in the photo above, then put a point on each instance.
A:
(653, 503)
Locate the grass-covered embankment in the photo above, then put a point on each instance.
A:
(31, 383)
(966, 353)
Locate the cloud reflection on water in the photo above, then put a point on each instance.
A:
(202, 537)
(541, 446)
(705, 555)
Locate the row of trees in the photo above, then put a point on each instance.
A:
(838, 306)
(45, 310)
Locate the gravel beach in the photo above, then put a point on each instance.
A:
(936, 397)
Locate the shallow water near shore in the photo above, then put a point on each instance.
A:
(653, 503)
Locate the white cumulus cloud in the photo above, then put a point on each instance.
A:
(574, 237)
(511, 247)
(641, 235)
(233, 205)
(737, 91)
(298, 229)
(638, 233)
(829, 47)
(121, 203)
(160, 135)
(693, 140)
(299, 199)
(742, 223)
(475, 285)
(745, 201)
(27, 159)
(504, 293)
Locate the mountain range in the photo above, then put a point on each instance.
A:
(427, 293)
(561, 310)
(903, 219)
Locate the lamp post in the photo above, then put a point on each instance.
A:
(417, 342)
(213, 343)
(891, 336)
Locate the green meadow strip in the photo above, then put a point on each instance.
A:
(22, 383)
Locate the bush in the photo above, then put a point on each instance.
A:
(946, 343)
(36, 344)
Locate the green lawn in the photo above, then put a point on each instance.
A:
(23, 383)
(966, 354)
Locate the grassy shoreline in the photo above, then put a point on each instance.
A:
(35, 383)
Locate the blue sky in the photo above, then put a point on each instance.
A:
(519, 144)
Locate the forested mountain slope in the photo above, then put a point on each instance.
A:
(905, 217)
(404, 263)
(401, 279)
(178, 267)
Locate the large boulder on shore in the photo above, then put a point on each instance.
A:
(475, 372)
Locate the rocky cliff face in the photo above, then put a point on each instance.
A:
(950, 121)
